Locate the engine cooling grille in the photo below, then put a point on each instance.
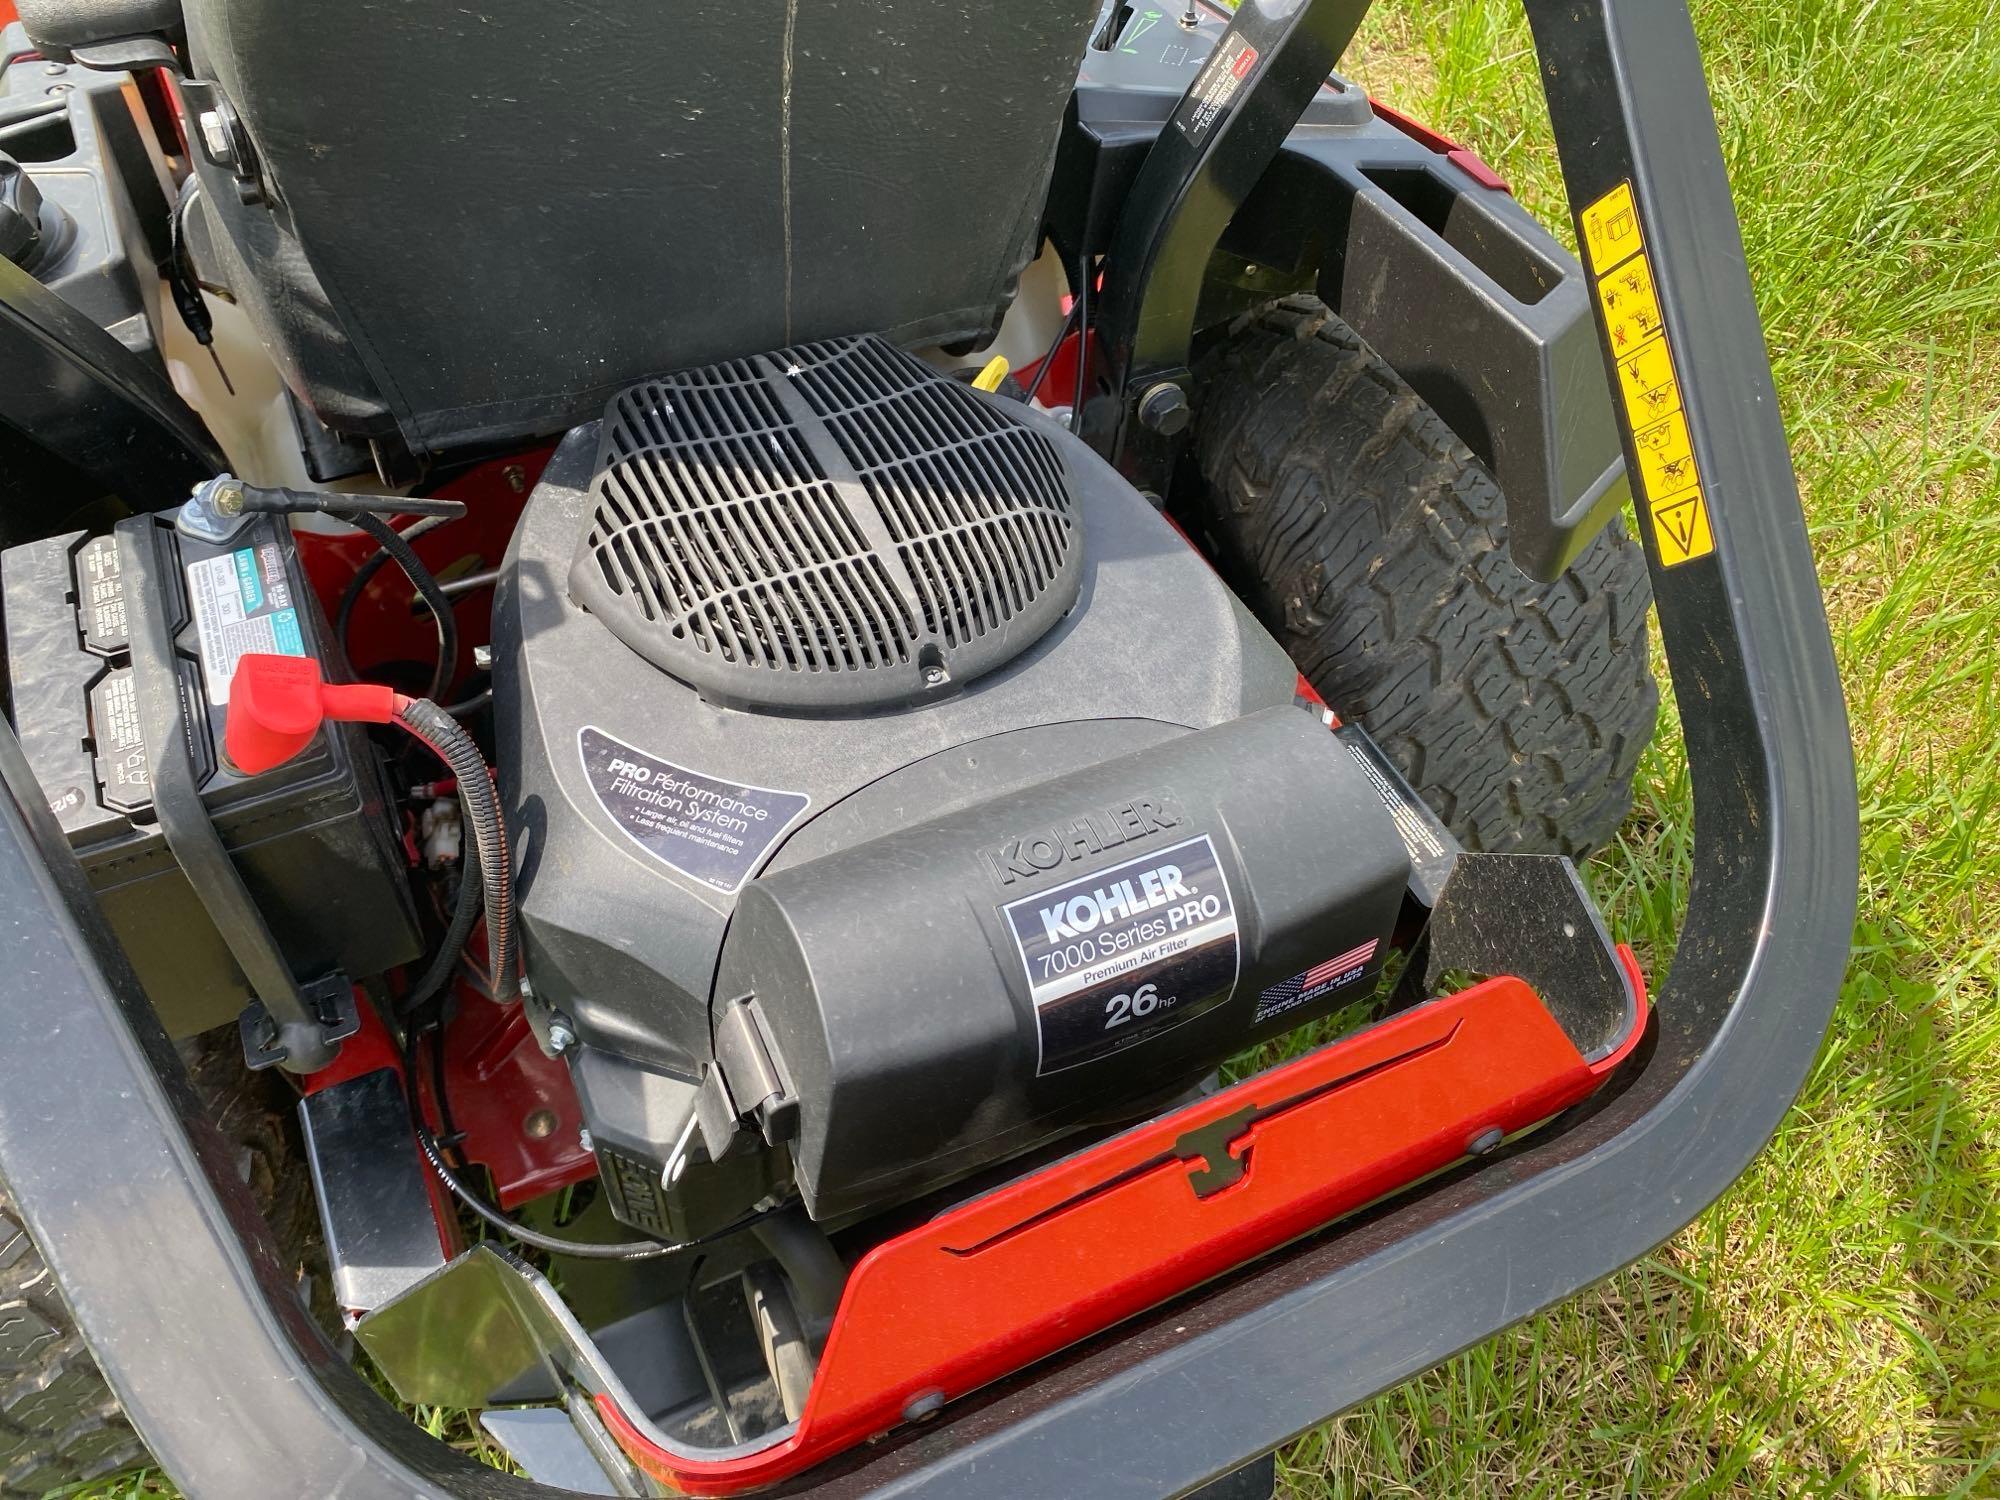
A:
(832, 526)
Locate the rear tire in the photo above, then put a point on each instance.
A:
(60, 1424)
(1373, 545)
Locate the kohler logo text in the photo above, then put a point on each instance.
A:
(1083, 837)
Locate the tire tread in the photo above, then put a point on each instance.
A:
(1374, 546)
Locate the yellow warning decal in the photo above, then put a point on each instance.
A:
(1666, 458)
(1669, 477)
(1611, 228)
(1680, 526)
(1646, 378)
(1631, 306)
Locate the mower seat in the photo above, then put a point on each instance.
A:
(480, 221)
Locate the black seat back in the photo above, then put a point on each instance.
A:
(515, 207)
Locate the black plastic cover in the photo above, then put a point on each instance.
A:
(833, 526)
(947, 995)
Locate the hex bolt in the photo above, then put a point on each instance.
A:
(215, 137)
(1163, 408)
(584, 1140)
(561, 1038)
(482, 658)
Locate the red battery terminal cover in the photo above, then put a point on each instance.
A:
(277, 704)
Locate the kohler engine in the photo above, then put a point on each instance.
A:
(896, 791)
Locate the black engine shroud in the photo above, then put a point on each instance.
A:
(860, 952)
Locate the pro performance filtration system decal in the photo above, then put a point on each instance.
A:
(1669, 478)
(711, 830)
(242, 605)
(1125, 953)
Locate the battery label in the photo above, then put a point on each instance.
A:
(242, 605)
(1119, 956)
(710, 829)
(100, 596)
(121, 749)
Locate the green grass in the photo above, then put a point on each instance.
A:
(1832, 1327)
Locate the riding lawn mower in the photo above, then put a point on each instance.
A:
(839, 749)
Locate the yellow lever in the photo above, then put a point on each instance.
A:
(989, 378)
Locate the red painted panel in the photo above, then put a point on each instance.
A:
(1073, 1249)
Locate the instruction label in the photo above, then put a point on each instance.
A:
(710, 829)
(121, 749)
(100, 596)
(1119, 956)
(242, 606)
(1215, 88)
(1668, 483)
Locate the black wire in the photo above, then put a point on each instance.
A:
(466, 905)
(1082, 345)
(1049, 359)
(284, 502)
(484, 828)
(534, 1238)
(452, 1135)
(377, 560)
(398, 547)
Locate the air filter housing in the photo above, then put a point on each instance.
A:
(834, 526)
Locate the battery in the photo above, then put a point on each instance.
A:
(314, 839)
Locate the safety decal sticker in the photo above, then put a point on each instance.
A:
(1120, 955)
(242, 605)
(711, 829)
(1215, 88)
(1669, 479)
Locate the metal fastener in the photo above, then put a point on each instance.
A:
(561, 1038)
(482, 658)
(1164, 409)
(215, 137)
(540, 1125)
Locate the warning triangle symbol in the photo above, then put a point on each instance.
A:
(1680, 519)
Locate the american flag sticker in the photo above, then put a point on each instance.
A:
(1321, 978)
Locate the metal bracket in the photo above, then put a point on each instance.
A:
(1215, 146)
(749, 1073)
(335, 1017)
(1528, 915)
(220, 135)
